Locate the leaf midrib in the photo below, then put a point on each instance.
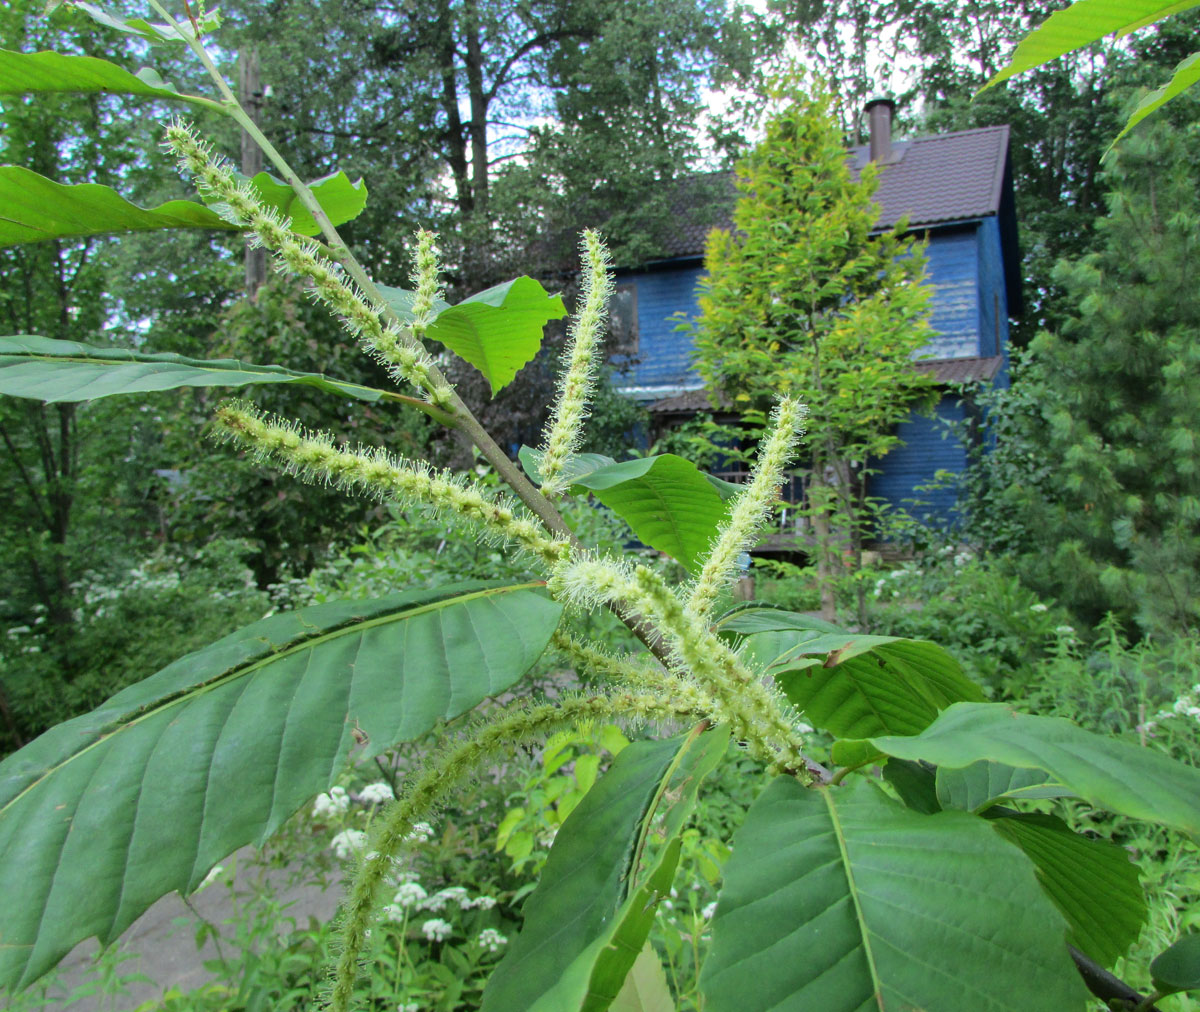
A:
(839, 835)
(225, 677)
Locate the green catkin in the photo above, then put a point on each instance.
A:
(445, 771)
(650, 676)
(399, 352)
(565, 429)
(314, 457)
(750, 509)
(755, 713)
(424, 279)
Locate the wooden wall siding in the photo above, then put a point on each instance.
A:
(664, 354)
(924, 453)
(993, 300)
(954, 272)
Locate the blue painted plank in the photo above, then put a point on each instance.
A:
(954, 273)
(926, 450)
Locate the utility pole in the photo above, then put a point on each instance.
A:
(250, 94)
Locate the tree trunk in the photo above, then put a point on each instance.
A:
(826, 549)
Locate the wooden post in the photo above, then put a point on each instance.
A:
(250, 94)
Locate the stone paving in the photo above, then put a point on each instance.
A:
(162, 941)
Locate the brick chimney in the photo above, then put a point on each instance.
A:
(880, 112)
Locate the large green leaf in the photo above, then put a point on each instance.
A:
(850, 684)
(33, 208)
(339, 198)
(841, 900)
(24, 73)
(977, 787)
(915, 783)
(48, 370)
(669, 503)
(1105, 772)
(760, 616)
(102, 815)
(645, 988)
(1178, 967)
(147, 31)
(1092, 882)
(1084, 22)
(1187, 73)
(588, 918)
(497, 330)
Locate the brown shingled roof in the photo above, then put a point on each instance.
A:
(933, 180)
(949, 371)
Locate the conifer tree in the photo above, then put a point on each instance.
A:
(803, 299)
(1118, 395)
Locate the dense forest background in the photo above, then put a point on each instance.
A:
(506, 127)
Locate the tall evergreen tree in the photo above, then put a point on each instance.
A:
(802, 299)
(1118, 395)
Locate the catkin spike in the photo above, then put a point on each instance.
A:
(399, 352)
(585, 352)
(750, 509)
(755, 713)
(425, 284)
(313, 456)
(443, 772)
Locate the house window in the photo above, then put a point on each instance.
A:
(623, 324)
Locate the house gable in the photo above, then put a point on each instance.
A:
(956, 190)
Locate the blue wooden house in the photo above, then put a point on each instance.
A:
(956, 189)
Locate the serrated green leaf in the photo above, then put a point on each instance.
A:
(759, 616)
(497, 330)
(1092, 882)
(668, 502)
(339, 198)
(156, 34)
(842, 900)
(848, 752)
(850, 684)
(36, 208)
(48, 370)
(1084, 22)
(1186, 74)
(577, 466)
(102, 815)
(1107, 773)
(591, 913)
(26, 73)
(983, 784)
(1178, 967)
(915, 783)
(645, 989)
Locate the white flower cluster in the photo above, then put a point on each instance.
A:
(491, 939)
(331, 805)
(1187, 705)
(376, 793)
(436, 930)
(422, 832)
(348, 842)
(456, 895)
(410, 894)
(1039, 608)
